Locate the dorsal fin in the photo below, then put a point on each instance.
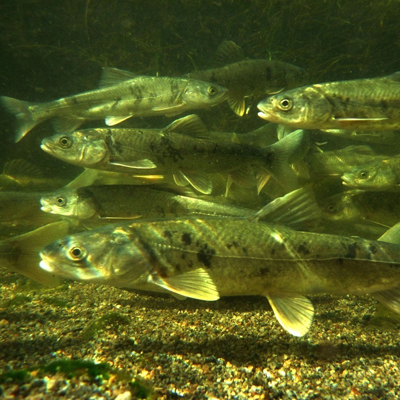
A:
(21, 168)
(190, 125)
(228, 52)
(114, 76)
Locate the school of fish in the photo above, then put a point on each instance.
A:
(291, 209)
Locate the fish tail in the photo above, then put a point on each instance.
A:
(29, 245)
(21, 110)
(280, 155)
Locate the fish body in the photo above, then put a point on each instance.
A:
(383, 175)
(129, 202)
(122, 95)
(206, 258)
(365, 104)
(246, 77)
(183, 149)
(336, 162)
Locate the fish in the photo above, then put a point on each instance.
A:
(382, 175)
(113, 202)
(122, 95)
(364, 104)
(207, 258)
(183, 149)
(337, 162)
(245, 77)
(21, 253)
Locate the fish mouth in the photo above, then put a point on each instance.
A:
(345, 180)
(264, 115)
(46, 148)
(45, 265)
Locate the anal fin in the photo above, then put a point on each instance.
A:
(196, 284)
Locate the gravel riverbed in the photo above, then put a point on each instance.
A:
(161, 347)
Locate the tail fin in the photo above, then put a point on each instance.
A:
(28, 246)
(281, 154)
(25, 120)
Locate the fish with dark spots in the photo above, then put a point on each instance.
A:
(360, 104)
(122, 95)
(184, 149)
(143, 255)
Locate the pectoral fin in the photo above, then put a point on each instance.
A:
(171, 110)
(110, 121)
(196, 284)
(237, 103)
(138, 164)
(295, 314)
(200, 181)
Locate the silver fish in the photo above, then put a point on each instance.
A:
(206, 258)
(121, 95)
(365, 104)
(183, 149)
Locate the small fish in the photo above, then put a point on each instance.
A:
(365, 104)
(206, 258)
(21, 253)
(121, 95)
(183, 149)
(244, 77)
(383, 175)
(113, 202)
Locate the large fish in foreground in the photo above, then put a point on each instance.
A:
(183, 149)
(365, 104)
(245, 77)
(121, 95)
(205, 258)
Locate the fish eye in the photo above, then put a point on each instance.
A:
(286, 104)
(211, 91)
(363, 174)
(61, 201)
(65, 142)
(331, 208)
(76, 253)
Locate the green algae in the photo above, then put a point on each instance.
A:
(56, 302)
(78, 367)
(109, 321)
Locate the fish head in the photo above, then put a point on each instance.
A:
(67, 202)
(374, 176)
(199, 94)
(304, 107)
(105, 256)
(340, 207)
(82, 148)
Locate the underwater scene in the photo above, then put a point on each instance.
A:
(200, 199)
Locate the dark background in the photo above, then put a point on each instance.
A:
(51, 49)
